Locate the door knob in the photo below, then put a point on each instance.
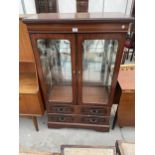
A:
(79, 72)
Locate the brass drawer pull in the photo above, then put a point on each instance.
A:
(94, 111)
(60, 109)
(61, 118)
(93, 120)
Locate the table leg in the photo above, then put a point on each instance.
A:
(35, 122)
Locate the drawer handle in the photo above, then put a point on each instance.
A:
(93, 120)
(61, 118)
(60, 110)
(94, 111)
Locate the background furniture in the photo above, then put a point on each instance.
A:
(125, 97)
(78, 58)
(46, 6)
(25, 48)
(125, 148)
(30, 99)
(87, 150)
(82, 5)
(129, 47)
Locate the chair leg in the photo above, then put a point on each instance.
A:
(35, 122)
(132, 54)
(127, 53)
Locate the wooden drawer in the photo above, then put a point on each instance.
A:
(61, 109)
(94, 120)
(78, 119)
(60, 118)
(99, 111)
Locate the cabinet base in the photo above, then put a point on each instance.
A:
(102, 128)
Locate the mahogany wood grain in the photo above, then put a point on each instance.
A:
(76, 28)
(102, 128)
(78, 118)
(60, 94)
(94, 95)
(79, 17)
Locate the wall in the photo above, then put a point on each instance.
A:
(69, 6)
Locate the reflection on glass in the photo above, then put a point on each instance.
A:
(98, 62)
(55, 57)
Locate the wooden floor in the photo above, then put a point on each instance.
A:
(61, 94)
(91, 94)
(94, 94)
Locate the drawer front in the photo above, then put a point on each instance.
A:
(60, 118)
(94, 120)
(61, 109)
(102, 111)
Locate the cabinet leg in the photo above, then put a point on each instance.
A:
(115, 120)
(35, 122)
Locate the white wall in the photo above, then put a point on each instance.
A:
(20, 8)
(66, 6)
(29, 7)
(69, 6)
(95, 5)
(123, 6)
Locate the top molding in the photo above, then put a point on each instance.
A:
(46, 18)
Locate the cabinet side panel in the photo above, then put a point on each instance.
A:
(25, 49)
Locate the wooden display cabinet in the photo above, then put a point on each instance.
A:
(78, 58)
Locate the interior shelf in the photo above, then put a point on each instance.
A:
(95, 94)
(60, 93)
(28, 83)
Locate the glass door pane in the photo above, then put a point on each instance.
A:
(97, 69)
(55, 58)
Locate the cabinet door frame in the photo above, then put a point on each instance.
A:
(111, 36)
(69, 37)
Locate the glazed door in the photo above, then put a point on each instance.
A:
(97, 56)
(55, 57)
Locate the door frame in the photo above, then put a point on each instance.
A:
(71, 38)
(94, 36)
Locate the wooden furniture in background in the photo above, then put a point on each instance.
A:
(37, 153)
(87, 150)
(82, 5)
(30, 99)
(46, 6)
(25, 48)
(125, 97)
(125, 147)
(74, 55)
